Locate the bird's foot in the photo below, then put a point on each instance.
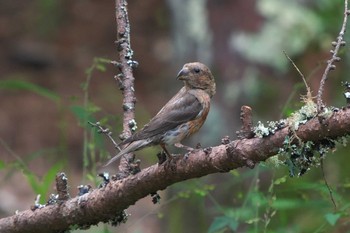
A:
(181, 146)
(165, 151)
(162, 157)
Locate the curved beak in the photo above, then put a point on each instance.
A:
(183, 74)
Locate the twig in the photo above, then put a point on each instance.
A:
(328, 187)
(125, 65)
(308, 94)
(105, 131)
(296, 88)
(12, 153)
(335, 58)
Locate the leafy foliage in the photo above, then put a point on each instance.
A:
(14, 84)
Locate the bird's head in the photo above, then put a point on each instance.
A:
(198, 76)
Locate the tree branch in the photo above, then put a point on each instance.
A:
(330, 63)
(101, 205)
(126, 79)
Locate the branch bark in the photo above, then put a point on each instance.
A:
(101, 205)
(126, 79)
(330, 63)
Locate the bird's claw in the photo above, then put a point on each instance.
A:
(162, 157)
(181, 146)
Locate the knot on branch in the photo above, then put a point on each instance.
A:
(62, 187)
(83, 189)
(225, 140)
(246, 117)
(105, 178)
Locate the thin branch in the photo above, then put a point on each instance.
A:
(105, 131)
(308, 91)
(125, 65)
(330, 63)
(101, 205)
(328, 187)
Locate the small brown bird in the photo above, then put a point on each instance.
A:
(181, 117)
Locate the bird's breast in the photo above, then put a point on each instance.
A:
(188, 128)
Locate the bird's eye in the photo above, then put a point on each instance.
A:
(197, 70)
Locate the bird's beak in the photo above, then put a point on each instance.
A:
(183, 74)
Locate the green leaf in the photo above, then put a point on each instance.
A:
(184, 194)
(284, 203)
(101, 67)
(233, 225)
(33, 181)
(24, 85)
(332, 218)
(280, 180)
(42, 186)
(91, 177)
(2, 164)
(252, 221)
(49, 177)
(82, 114)
(200, 192)
(220, 223)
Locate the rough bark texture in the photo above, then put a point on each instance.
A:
(103, 204)
(127, 79)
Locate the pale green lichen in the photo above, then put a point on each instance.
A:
(261, 130)
(300, 156)
(305, 113)
(343, 141)
(275, 161)
(327, 112)
(133, 125)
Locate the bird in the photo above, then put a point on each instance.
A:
(183, 115)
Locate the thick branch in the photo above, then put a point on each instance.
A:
(101, 205)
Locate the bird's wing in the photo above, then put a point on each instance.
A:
(175, 112)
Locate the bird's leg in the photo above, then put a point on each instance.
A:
(162, 157)
(166, 151)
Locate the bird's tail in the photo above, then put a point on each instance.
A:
(133, 146)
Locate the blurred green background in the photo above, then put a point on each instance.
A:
(55, 76)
